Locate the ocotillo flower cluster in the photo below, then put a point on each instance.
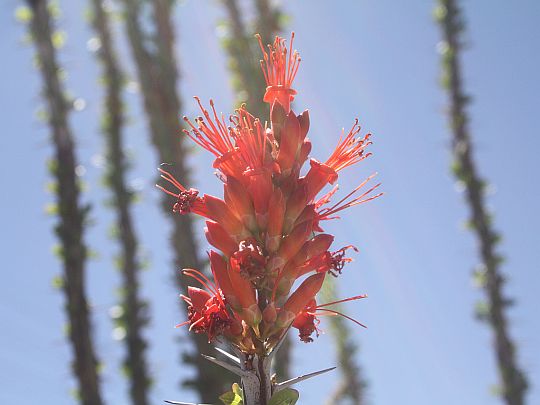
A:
(267, 229)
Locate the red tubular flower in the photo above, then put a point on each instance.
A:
(261, 187)
(279, 68)
(221, 275)
(313, 248)
(219, 238)
(290, 143)
(238, 199)
(207, 311)
(221, 213)
(268, 227)
(307, 320)
(299, 299)
(276, 212)
(249, 259)
(186, 200)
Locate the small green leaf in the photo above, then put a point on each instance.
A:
(237, 390)
(233, 397)
(58, 39)
(23, 14)
(287, 396)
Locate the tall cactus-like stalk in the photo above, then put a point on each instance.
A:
(72, 213)
(133, 316)
(352, 385)
(512, 379)
(158, 76)
(243, 53)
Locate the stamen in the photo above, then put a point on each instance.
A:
(279, 64)
(214, 137)
(350, 150)
(325, 213)
(331, 311)
(357, 297)
(182, 324)
(171, 179)
(201, 278)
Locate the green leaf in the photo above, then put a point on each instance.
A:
(23, 14)
(233, 397)
(237, 390)
(287, 396)
(58, 39)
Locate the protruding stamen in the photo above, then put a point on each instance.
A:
(350, 150)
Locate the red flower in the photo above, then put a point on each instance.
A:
(307, 320)
(279, 68)
(268, 225)
(207, 310)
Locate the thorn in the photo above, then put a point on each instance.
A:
(292, 381)
(236, 370)
(230, 356)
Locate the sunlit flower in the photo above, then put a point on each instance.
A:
(267, 228)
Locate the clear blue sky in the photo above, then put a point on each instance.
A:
(374, 60)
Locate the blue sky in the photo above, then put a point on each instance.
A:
(372, 60)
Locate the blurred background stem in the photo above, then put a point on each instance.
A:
(157, 71)
(352, 386)
(71, 212)
(512, 379)
(133, 315)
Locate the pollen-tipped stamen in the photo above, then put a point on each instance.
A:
(350, 150)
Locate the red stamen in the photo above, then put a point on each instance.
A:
(350, 150)
(216, 138)
(201, 278)
(325, 213)
(357, 297)
(331, 311)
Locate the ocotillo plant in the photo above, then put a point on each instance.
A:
(513, 380)
(158, 78)
(268, 229)
(133, 310)
(72, 213)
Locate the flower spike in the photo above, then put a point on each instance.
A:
(270, 254)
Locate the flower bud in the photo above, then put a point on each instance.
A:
(237, 198)
(289, 144)
(299, 299)
(220, 212)
(276, 212)
(219, 238)
(319, 175)
(270, 314)
(221, 275)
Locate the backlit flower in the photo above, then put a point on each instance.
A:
(267, 230)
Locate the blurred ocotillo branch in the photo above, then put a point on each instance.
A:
(513, 381)
(244, 53)
(352, 385)
(72, 213)
(158, 77)
(132, 317)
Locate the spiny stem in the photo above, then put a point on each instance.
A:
(133, 317)
(72, 213)
(513, 380)
(157, 72)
